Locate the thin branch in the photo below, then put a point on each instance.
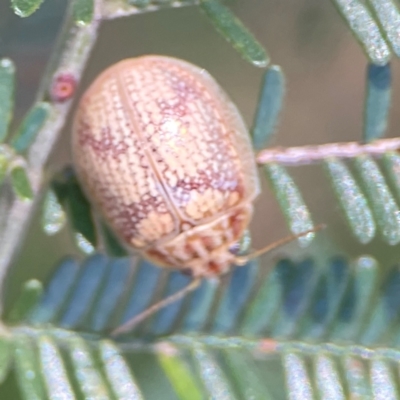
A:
(121, 8)
(304, 155)
(70, 55)
(259, 346)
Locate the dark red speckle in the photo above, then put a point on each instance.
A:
(63, 87)
(214, 268)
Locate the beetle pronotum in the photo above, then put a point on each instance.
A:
(165, 156)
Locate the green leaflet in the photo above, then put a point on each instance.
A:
(79, 211)
(179, 375)
(388, 16)
(357, 379)
(377, 101)
(53, 370)
(291, 202)
(53, 216)
(214, 380)
(383, 204)
(117, 371)
(111, 242)
(261, 311)
(382, 381)
(6, 350)
(365, 282)
(391, 163)
(328, 378)
(24, 8)
(269, 106)
(352, 200)
(20, 183)
(31, 293)
(246, 375)
(297, 378)
(7, 76)
(201, 307)
(5, 158)
(27, 368)
(76, 206)
(3, 167)
(235, 32)
(86, 371)
(30, 127)
(56, 293)
(365, 29)
(381, 317)
(83, 11)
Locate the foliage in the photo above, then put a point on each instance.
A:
(211, 344)
(316, 328)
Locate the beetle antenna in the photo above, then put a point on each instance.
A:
(242, 260)
(130, 324)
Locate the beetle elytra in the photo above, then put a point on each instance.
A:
(165, 156)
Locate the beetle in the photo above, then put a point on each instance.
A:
(164, 155)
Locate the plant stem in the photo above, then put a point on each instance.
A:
(304, 155)
(121, 8)
(70, 55)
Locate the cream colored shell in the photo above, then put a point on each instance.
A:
(164, 155)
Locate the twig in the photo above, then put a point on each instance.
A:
(121, 8)
(310, 154)
(71, 54)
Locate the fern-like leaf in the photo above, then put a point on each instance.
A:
(310, 327)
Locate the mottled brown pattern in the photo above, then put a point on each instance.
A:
(164, 154)
(112, 162)
(186, 121)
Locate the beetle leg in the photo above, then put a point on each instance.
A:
(242, 260)
(130, 325)
(243, 245)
